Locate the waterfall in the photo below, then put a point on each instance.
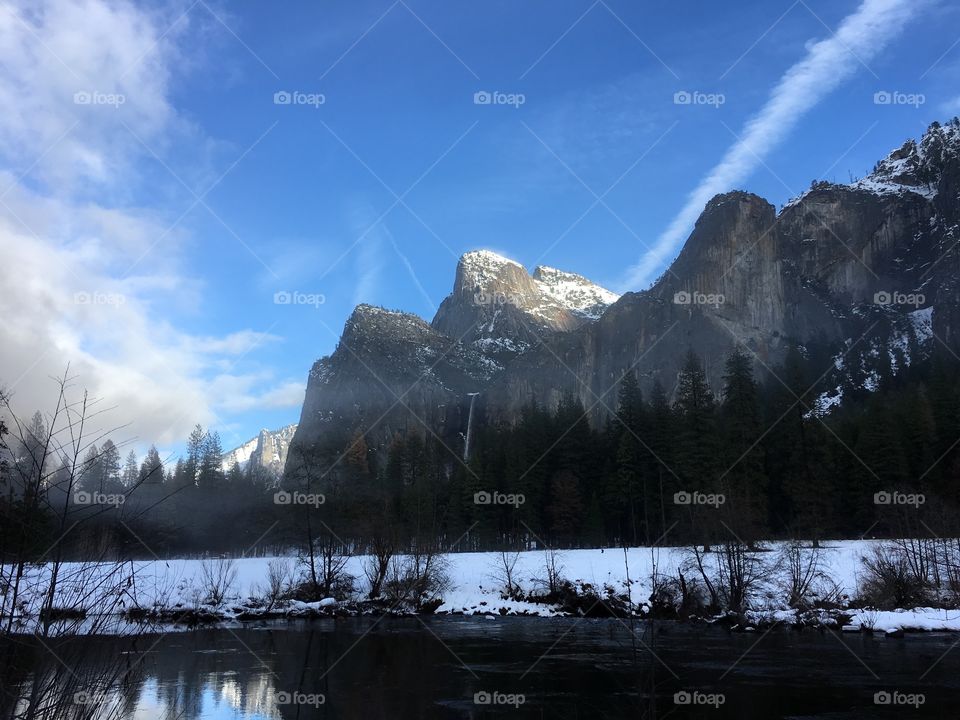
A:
(466, 442)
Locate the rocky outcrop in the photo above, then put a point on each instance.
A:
(835, 264)
(266, 452)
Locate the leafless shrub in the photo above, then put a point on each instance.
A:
(420, 577)
(505, 574)
(729, 573)
(805, 578)
(890, 579)
(552, 581)
(218, 578)
(279, 582)
(325, 572)
(377, 565)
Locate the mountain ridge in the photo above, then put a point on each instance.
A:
(808, 275)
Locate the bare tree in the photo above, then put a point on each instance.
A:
(219, 578)
(377, 565)
(45, 461)
(504, 572)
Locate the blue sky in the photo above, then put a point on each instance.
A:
(218, 197)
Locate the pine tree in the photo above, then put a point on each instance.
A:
(696, 458)
(151, 469)
(210, 472)
(743, 480)
(131, 471)
(110, 467)
(696, 425)
(194, 459)
(660, 431)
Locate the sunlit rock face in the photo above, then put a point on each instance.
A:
(871, 265)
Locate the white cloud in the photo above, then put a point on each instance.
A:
(86, 277)
(827, 63)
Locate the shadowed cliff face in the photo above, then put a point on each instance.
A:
(838, 263)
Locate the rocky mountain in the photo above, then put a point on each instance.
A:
(501, 309)
(863, 274)
(267, 451)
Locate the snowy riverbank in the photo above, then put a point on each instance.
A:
(178, 589)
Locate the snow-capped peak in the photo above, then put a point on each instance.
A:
(267, 450)
(479, 268)
(914, 167)
(574, 292)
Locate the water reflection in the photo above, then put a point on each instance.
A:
(470, 668)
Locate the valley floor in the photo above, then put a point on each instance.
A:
(476, 583)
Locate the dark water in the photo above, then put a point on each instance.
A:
(529, 668)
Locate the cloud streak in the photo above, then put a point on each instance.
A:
(827, 64)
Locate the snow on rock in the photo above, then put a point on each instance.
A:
(574, 292)
(914, 167)
(268, 450)
(239, 454)
(481, 267)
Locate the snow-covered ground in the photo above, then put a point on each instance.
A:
(476, 583)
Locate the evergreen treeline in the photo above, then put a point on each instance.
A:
(674, 466)
(671, 466)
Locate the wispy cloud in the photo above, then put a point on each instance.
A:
(412, 273)
(85, 277)
(368, 261)
(827, 64)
